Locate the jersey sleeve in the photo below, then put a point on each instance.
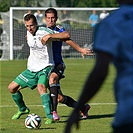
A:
(60, 28)
(106, 38)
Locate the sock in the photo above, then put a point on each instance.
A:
(18, 98)
(54, 96)
(46, 104)
(70, 102)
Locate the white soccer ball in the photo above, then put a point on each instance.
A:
(33, 121)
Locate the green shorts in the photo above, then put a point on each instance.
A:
(32, 79)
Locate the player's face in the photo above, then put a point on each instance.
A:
(50, 19)
(31, 26)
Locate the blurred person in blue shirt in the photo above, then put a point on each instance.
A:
(93, 19)
(113, 43)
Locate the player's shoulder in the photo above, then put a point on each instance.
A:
(41, 27)
(117, 17)
(59, 28)
(45, 29)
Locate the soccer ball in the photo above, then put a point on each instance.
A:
(33, 121)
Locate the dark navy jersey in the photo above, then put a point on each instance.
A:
(57, 47)
(116, 39)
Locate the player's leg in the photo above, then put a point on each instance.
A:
(45, 102)
(53, 88)
(70, 102)
(56, 74)
(42, 85)
(18, 99)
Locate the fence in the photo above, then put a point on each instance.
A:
(75, 20)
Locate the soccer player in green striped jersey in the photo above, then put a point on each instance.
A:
(39, 65)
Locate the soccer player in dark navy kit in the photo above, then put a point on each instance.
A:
(56, 94)
(113, 42)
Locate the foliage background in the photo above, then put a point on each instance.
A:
(6, 4)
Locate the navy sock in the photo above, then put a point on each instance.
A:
(54, 96)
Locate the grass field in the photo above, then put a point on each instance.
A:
(102, 105)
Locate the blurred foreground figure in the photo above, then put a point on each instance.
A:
(113, 42)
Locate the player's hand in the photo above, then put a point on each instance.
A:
(86, 51)
(45, 39)
(73, 119)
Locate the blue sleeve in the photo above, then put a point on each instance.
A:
(106, 38)
(61, 30)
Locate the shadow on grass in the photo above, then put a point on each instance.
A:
(91, 117)
(46, 128)
(100, 116)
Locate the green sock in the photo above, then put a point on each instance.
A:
(18, 98)
(46, 104)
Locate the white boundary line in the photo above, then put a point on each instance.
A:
(11, 106)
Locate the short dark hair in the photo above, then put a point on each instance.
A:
(30, 16)
(51, 10)
(125, 1)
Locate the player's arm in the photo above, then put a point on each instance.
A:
(83, 51)
(55, 36)
(96, 77)
(92, 85)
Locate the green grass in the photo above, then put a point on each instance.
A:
(102, 105)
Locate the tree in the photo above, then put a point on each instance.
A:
(4, 5)
(95, 3)
(63, 3)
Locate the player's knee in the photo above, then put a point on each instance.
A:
(53, 79)
(12, 88)
(41, 89)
